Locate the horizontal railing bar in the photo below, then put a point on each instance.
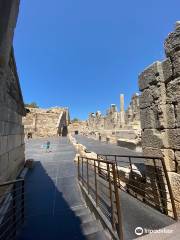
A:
(97, 160)
(152, 181)
(151, 203)
(131, 156)
(143, 190)
(11, 182)
(150, 198)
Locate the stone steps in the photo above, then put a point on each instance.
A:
(90, 227)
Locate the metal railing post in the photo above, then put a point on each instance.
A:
(117, 171)
(159, 185)
(87, 175)
(95, 182)
(111, 197)
(118, 206)
(22, 202)
(78, 167)
(14, 210)
(170, 190)
(82, 171)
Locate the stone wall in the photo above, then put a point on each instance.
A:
(11, 102)
(79, 126)
(46, 122)
(160, 109)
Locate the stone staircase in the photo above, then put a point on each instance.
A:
(91, 228)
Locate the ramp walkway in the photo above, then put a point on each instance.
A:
(54, 207)
(135, 213)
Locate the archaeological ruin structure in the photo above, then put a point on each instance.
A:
(11, 101)
(120, 127)
(46, 122)
(160, 110)
(78, 127)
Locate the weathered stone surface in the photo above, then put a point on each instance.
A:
(16, 153)
(13, 142)
(176, 63)
(177, 155)
(169, 158)
(3, 113)
(46, 122)
(167, 154)
(8, 11)
(154, 139)
(126, 134)
(158, 93)
(177, 159)
(155, 152)
(146, 99)
(167, 69)
(166, 116)
(2, 126)
(132, 144)
(4, 166)
(3, 144)
(79, 126)
(151, 75)
(175, 184)
(172, 43)
(161, 111)
(173, 138)
(177, 113)
(11, 101)
(148, 118)
(173, 91)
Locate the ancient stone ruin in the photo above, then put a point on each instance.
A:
(160, 109)
(120, 127)
(11, 100)
(46, 122)
(78, 127)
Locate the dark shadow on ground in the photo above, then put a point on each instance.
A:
(48, 214)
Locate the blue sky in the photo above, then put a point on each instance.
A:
(83, 53)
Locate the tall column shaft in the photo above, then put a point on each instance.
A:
(122, 109)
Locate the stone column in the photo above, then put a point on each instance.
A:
(122, 113)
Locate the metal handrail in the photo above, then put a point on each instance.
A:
(159, 171)
(12, 208)
(91, 181)
(11, 182)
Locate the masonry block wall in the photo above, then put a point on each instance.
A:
(11, 101)
(45, 122)
(160, 109)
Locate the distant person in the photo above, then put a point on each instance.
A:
(48, 146)
(29, 135)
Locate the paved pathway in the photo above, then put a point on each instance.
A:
(135, 213)
(104, 148)
(52, 193)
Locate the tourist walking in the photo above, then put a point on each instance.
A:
(48, 146)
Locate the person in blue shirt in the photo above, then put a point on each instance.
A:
(48, 146)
